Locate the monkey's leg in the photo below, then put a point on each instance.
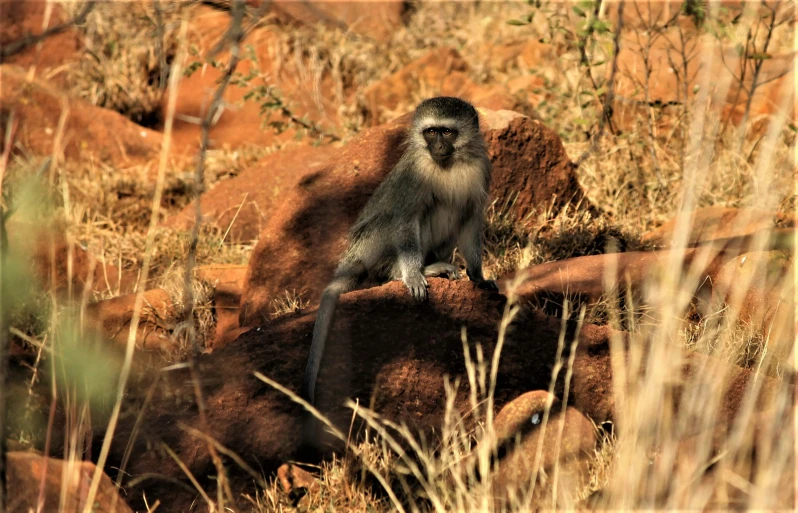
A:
(440, 268)
(410, 261)
(469, 244)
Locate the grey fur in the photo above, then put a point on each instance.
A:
(415, 218)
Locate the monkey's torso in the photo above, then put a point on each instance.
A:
(439, 202)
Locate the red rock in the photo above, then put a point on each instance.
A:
(246, 202)
(89, 132)
(528, 451)
(69, 480)
(293, 478)
(587, 277)
(241, 122)
(375, 19)
(390, 352)
(300, 246)
(111, 318)
(26, 17)
(429, 73)
(227, 282)
(717, 223)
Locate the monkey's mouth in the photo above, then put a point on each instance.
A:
(443, 160)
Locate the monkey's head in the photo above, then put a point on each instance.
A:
(444, 126)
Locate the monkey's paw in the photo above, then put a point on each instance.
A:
(488, 285)
(417, 285)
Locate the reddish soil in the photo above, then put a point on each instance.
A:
(26, 17)
(376, 20)
(228, 282)
(28, 471)
(309, 231)
(244, 203)
(111, 319)
(402, 378)
(89, 132)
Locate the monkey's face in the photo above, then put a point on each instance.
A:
(440, 143)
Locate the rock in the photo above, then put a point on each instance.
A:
(292, 479)
(89, 132)
(374, 19)
(111, 318)
(757, 288)
(529, 452)
(309, 230)
(587, 277)
(67, 480)
(430, 73)
(718, 223)
(241, 122)
(228, 282)
(246, 202)
(392, 353)
(26, 17)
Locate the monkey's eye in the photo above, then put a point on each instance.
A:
(429, 131)
(446, 132)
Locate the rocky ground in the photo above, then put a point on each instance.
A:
(640, 351)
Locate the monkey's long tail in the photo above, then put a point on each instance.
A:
(321, 329)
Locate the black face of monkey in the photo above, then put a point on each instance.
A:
(440, 142)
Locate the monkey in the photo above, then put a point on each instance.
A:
(432, 201)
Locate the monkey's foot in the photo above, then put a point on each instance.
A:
(488, 285)
(417, 285)
(440, 268)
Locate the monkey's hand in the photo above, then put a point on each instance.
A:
(417, 285)
(488, 285)
(440, 268)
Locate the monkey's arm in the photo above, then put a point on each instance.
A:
(469, 243)
(410, 261)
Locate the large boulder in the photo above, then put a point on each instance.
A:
(394, 354)
(245, 203)
(29, 474)
(90, 132)
(300, 246)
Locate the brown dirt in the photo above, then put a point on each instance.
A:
(25, 473)
(401, 376)
(90, 132)
(244, 203)
(308, 233)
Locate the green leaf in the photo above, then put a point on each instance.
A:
(517, 22)
(578, 11)
(760, 56)
(581, 121)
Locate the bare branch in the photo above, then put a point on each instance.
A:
(606, 112)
